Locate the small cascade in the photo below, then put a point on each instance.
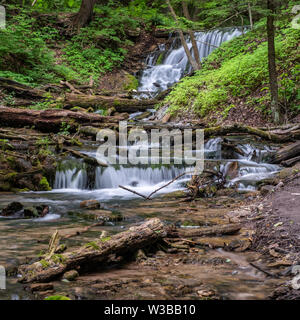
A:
(244, 170)
(213, 148)
(159, 76)
(134, 176)
(71, 179)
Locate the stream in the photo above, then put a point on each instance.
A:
(75, 182)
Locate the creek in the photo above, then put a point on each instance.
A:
(75, 182)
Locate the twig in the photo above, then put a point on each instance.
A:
(264, 271)
(139, 194)
(72, 88)
(155, 191)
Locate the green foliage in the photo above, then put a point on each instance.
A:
(28, 46)
(64, 129)
(57, 297)
(44, 184)
(236, 71)
(24, 55)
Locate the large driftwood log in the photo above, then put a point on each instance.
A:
(50, 120)
(289, 152)
(105, 102)
(96, 252)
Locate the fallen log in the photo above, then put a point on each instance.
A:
(106, 102)
(223, 131)
(50, 120)
(289, 152)
(290, 162)
(21, 89)
(95, 253)
(226, 229)
(86, 158)
(219, 131)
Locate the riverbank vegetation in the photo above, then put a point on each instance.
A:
(237, 74)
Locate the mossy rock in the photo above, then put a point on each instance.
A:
(44, 185)
(71, 275)
(131, 83)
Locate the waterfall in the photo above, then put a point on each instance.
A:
(134, 176)
(71, 179)
(156, 78)
(250, 168)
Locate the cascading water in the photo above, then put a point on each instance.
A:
(144, 178)
(156, 78)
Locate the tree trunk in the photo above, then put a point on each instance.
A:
(250, 15)
(272, 63)
(192, 35)
(85, 13)
(192, 61)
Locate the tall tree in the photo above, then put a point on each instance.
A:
(275, 107)
(192, 61)
(192, 34)
(250, 15)
(85, 13)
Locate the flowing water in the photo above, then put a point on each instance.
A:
(166, 67)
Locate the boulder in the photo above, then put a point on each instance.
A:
(12, 209)
(90, 204)
(35, 212)
(71, 275)
(264, 190)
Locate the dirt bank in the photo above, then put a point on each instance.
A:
(275, 219)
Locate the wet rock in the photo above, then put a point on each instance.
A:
(71, 275)
(99, 215)
(12, 209)
(264, 190)
(90, 204)
(35, 212)
(42, 210)
(39, 287)
(31, 212)
(11, 267)
(205, 293)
